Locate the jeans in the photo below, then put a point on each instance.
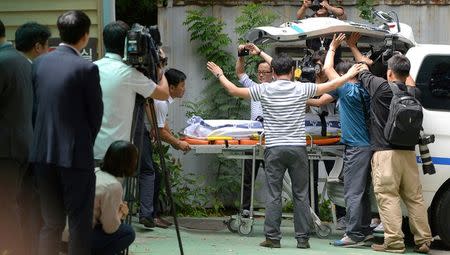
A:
(109, 244)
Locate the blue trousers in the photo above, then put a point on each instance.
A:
(109, 244)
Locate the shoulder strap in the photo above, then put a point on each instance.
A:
(411, 90)
(363, 102)
(395, 89)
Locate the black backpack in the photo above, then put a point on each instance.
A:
(405, 118)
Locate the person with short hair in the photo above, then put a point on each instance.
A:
(395, 175)
(69, 111)
(16, 134)
(120, 84)
(284, 104)
(31, 38)
(354, 105)
(111, 236)
(264, 73)
(325, 10)
(149, 213)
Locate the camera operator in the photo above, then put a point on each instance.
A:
(120, 84)
(321, 8)
(264, 76)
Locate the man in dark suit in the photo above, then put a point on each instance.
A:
(69, 111)
(31, 39)
(16, 132)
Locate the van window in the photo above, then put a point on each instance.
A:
(433, 80)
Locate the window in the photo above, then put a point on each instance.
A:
(433, 80)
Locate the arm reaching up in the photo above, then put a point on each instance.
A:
(328, 66)
(334, 84)
(351, 43)
(228, 85)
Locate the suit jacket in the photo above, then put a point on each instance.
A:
(69, 109)
(16, 102)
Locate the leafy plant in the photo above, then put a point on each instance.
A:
(365, 7)
(208, 31)
(325, 209)
(189, 194)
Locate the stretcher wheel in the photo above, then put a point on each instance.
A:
(232, 225)
(322, 231)
(245, 228)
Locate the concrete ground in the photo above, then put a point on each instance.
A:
(209, 236)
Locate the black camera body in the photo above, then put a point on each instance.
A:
(243, 52)
(308, 68)
(315, 5)
(142, 49)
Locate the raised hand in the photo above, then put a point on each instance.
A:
(254, 50)
(337, 40)
(355, 69)
(214, 69)
(306, 3)
(353, 39)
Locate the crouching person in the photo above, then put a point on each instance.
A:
(111, 235)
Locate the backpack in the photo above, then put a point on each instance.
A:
(405, 118)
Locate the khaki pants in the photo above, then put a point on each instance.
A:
(395, 176)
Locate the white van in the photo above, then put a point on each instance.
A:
(430, 68)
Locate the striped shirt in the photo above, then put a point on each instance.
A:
(284, 104)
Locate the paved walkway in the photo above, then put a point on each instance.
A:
(218, 240)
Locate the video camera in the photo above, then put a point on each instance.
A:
(142, 49)
(315, 5)
(307, 67)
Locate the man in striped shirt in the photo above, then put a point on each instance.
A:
(283, 103)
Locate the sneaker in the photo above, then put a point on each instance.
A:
(374, 223)
(303, 244)
(368, 238)
(379, 228)
(341, 223)
(424, 248)
(271, 243)
(381, 247)
(245, 213)
(148, 223)
(345, 241)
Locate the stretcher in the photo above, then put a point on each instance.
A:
(316, 151)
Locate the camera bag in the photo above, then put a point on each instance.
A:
(405, 118)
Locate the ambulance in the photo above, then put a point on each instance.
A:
(430, 68)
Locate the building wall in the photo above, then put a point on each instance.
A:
(429, 23)
(17, 12)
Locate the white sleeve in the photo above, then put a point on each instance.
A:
(140, 84)
(309, 89)
(161, 110)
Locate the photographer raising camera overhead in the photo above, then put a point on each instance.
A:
(321, 8)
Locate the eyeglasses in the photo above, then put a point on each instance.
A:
(264, 72)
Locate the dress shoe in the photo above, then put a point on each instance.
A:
(148, 223)
(159, 223)
(168, 223)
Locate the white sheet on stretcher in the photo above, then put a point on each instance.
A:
(238, 129)
(241, 129)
